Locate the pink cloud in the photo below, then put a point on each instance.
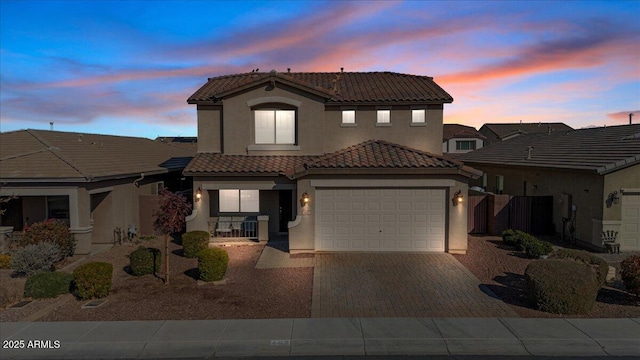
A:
(623, 116)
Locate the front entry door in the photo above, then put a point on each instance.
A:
(286, 210)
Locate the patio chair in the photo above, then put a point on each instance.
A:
(609, 240)
(223, 227)
(236, 225)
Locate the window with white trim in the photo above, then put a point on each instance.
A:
(348, 116)
(275, 126)
(384, 117)
(465, 144)
(418, 116)
(239, 201)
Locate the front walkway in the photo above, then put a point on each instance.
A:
(399, 285)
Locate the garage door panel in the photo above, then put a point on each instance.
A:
(630, 218)
(381, 219)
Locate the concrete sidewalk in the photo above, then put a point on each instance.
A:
(199, 339)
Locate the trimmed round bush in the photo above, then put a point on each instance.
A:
(5, 261)
(599, 265)
(212, 264)
(630, 272)
(561, 286)
(193, 242)
(145, 261)
(93, 280)
(535, 248)
(48, 285)
(35, 258)
(509, 237)
(52, 231)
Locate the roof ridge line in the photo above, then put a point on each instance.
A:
(59, 156)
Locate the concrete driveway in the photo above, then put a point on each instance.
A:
(399, 285)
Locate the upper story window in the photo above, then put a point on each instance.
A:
(235, 201)
(275, 126)
(384, 117)
(465, 144)
(348, 116)
(418, 116)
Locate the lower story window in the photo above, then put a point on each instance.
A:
(466, 145)
(234, 200)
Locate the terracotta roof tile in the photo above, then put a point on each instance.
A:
(340, 87)
(372, 154)
(602, 149)
(380, 154)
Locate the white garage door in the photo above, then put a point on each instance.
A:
(630, 234)
(380, 219)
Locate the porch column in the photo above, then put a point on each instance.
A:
(263, 228)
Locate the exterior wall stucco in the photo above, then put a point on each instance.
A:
(209, 129)
(426, 137)
(585, 188)
(615, 181)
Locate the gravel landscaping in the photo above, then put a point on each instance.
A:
(264, 293)
(501, 269)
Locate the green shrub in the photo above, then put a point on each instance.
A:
(193, 242)
(5, 261)
(630, 272)
(48, 285)
(93, 280)
(52, 231)
(534, 248)
(35, 258)
(212, 264)
(561, 286)
(599, 265)
(509, 237)
(145, 261)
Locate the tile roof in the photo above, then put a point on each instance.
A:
(450, 131)
(336, 87)
(372, 154)
(40, 155)
(210, 163)
(505, 129)
(186, 142)
(603, 149)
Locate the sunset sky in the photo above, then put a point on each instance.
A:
(128, 67)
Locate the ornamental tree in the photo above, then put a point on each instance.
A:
(169, 219)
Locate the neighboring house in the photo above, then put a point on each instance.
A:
(593, 175)
(187, 142)
(457, 139)
(340, 161)
(94, 183)
(504, 131)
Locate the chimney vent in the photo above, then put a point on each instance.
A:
(51, 124)
(341, 69)
(630, 116)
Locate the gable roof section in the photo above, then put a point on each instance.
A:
(502, 130)
(336, 87)
(39, 155)
(451, 131)
(603, 149)
(370, 155)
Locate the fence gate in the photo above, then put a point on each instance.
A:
(477, 214)
(531, 214)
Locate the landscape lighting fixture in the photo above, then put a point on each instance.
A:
(198, 194)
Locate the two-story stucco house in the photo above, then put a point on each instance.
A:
(345, 161)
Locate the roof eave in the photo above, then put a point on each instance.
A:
(465, 171)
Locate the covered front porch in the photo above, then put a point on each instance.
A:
(242, 210)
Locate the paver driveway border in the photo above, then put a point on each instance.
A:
(399, 285)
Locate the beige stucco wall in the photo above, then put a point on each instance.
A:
(319, 130)
(425, 137)
(585, 188)
(625, 178)
(209, 128)
(302, 229)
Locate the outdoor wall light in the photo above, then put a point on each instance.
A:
(613, 198)
(304, 200)
(457, 198)
(198, 194)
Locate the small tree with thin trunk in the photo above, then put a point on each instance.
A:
(169, 219)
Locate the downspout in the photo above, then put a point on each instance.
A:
(135, 182)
